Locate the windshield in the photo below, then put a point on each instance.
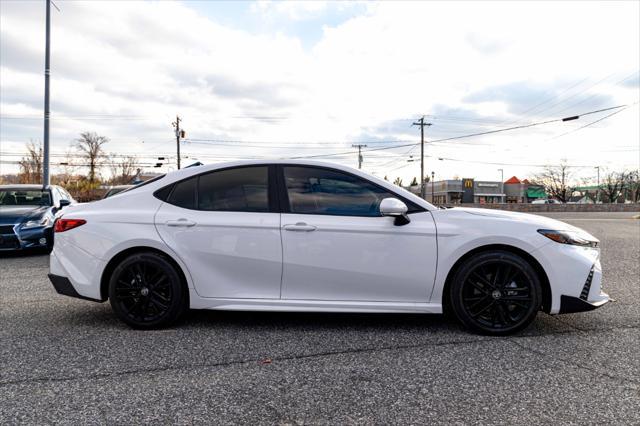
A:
(19, 197)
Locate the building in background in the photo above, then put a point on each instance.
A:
(463, 191)
(522, 191)
(471, 191)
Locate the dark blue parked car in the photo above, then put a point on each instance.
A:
(27, 213)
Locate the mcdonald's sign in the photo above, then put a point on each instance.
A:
(467, 190)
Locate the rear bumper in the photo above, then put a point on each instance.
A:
(63, 286)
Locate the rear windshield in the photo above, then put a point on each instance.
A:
(143, 183)
(19, 197)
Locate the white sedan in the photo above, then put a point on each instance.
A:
(308, 236)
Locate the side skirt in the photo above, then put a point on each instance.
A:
(284, 305)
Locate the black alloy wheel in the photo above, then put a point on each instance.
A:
(146, 291)
(496, 293)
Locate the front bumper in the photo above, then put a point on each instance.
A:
(14, 238)
(575, 277)
(569, 304)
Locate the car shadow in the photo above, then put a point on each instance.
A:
(24, 253)
(316, 320)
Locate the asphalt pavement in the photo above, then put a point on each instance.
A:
(64, 360)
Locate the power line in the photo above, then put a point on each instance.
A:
(588, 124)
(540, 123)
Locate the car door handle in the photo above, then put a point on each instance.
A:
(300, 227)
(180, 222)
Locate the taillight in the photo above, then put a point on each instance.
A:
(66, 224)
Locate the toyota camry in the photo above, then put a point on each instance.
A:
(309, 236)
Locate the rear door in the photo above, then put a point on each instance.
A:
(225, 227)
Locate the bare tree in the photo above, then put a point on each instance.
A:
(398, 181)
(31, 164)
(414, 182)
(612, 185)
(90, 146)
(556, 181)
(124, 170)
(632, 186)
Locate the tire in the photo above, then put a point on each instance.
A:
(146, 291)
(496, 293)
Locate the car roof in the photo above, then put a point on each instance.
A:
(181, 174)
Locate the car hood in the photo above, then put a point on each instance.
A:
(535, 220)
(17, 214)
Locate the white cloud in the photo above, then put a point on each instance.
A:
(483, 61)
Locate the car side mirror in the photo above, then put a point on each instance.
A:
(64, 203)
(395, 208)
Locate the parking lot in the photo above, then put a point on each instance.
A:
(67, 360)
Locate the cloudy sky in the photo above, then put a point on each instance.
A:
(309, 79)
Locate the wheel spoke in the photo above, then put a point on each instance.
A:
(160, 283)
(501, 314)
(482, 279)
(517, 298)
(518, 303)
(489, 305)
(510, 276)
(495, 282)
(480, 302)
(159, 304)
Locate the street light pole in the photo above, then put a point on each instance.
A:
(433, 175)
(502, 185)
(598, 185)
(47, 70)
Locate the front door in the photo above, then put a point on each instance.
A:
(336, 246)
(225, 227)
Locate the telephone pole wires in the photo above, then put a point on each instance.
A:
(359, 146)
(422, 124)
(180, 133)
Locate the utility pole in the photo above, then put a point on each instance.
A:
(359, 146)
(598, 185)
(421, 123)
(179, 134)
(47, 71)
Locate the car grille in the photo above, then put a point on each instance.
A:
(6, 229)
(8, 239)
(587, 286)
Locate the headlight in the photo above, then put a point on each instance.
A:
(36, 223)
(574, 238)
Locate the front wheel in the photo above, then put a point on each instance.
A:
(146, 291)
(496, 293)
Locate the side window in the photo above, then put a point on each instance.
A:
(321, 191)
(184, 194)
(244, 189)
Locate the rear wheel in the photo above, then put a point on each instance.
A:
(496, 293)
(146, 291)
